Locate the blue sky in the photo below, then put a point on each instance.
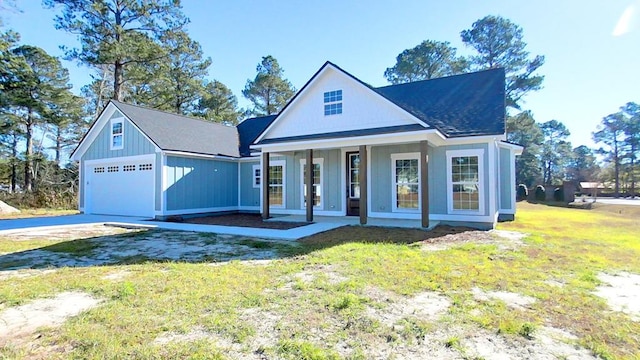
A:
(589, 71)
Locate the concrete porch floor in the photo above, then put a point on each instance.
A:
(354, 220)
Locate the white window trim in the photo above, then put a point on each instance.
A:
(333, 102)
(111, 123)
(394, 195)
(254, 176)
(303, 162)
(481, 189)
(282, 163)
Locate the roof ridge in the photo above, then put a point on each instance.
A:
(440, 78)
(116, 102)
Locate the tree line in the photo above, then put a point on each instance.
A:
(548, 157)
(140, 52)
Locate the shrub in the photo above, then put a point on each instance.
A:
(41, 198)
(522, 192)
(540, 193)
(558, 194)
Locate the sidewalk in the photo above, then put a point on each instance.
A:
(12, 226)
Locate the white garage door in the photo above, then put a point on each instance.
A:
(123, 186)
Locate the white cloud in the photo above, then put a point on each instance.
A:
(625, 22)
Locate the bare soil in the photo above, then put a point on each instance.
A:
(241, 220)
(21, 322)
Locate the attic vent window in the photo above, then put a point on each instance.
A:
(333, 102)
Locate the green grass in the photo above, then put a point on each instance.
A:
(310, 316)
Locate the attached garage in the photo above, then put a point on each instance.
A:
(120, 186)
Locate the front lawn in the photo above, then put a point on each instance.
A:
(353, 293)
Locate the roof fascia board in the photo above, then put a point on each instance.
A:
(93, 131)
(196, 155)
(513, 147)
(97, 126)
(432, 135)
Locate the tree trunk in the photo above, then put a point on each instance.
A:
(58, 144)
(118, 67)
(14, 165)
(28, 152)
(117, 81)
(616, 162)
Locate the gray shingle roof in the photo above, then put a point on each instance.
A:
(461, 105)
(181, 133)
(249, 129)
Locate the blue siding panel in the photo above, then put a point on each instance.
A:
(201, 183)
(506, 187)
(135, 143)
(381, 171)
(249, 196)
(331, 179)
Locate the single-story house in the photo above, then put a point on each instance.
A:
(432, 150)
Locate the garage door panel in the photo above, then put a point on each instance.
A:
(121, 188)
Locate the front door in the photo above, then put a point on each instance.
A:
(353, 184)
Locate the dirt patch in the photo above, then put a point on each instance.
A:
(118, 275)
(130, 247)
(513, 300)
(504, 240)
(426, 305)
(622, 292)
(309, 274)
(21, 274)
(242, 220)
(23, 321)
(547, 343)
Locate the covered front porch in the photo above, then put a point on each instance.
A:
(344, 179)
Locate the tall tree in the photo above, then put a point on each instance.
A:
(67, 123)
(611, 133)
(430, 59)
(118, 33)
(583, 165)
(269, 91)
(556, 151)
(179, 80)
(631, 129)
(218, 104)
(522, 129)
(10, 136)
(42, 93)
(499, 43)
(98, 92)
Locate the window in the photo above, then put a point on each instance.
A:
(142, 167)
(98, 170)
(256, 176)
(406, 182)
(354, 176)
(317, 182)
(276, 184)
(117, 134)
(333, 102)
(113, 168)
(464, 185)
(129, 168)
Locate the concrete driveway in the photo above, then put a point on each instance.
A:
(613, 201)
(16, 226)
